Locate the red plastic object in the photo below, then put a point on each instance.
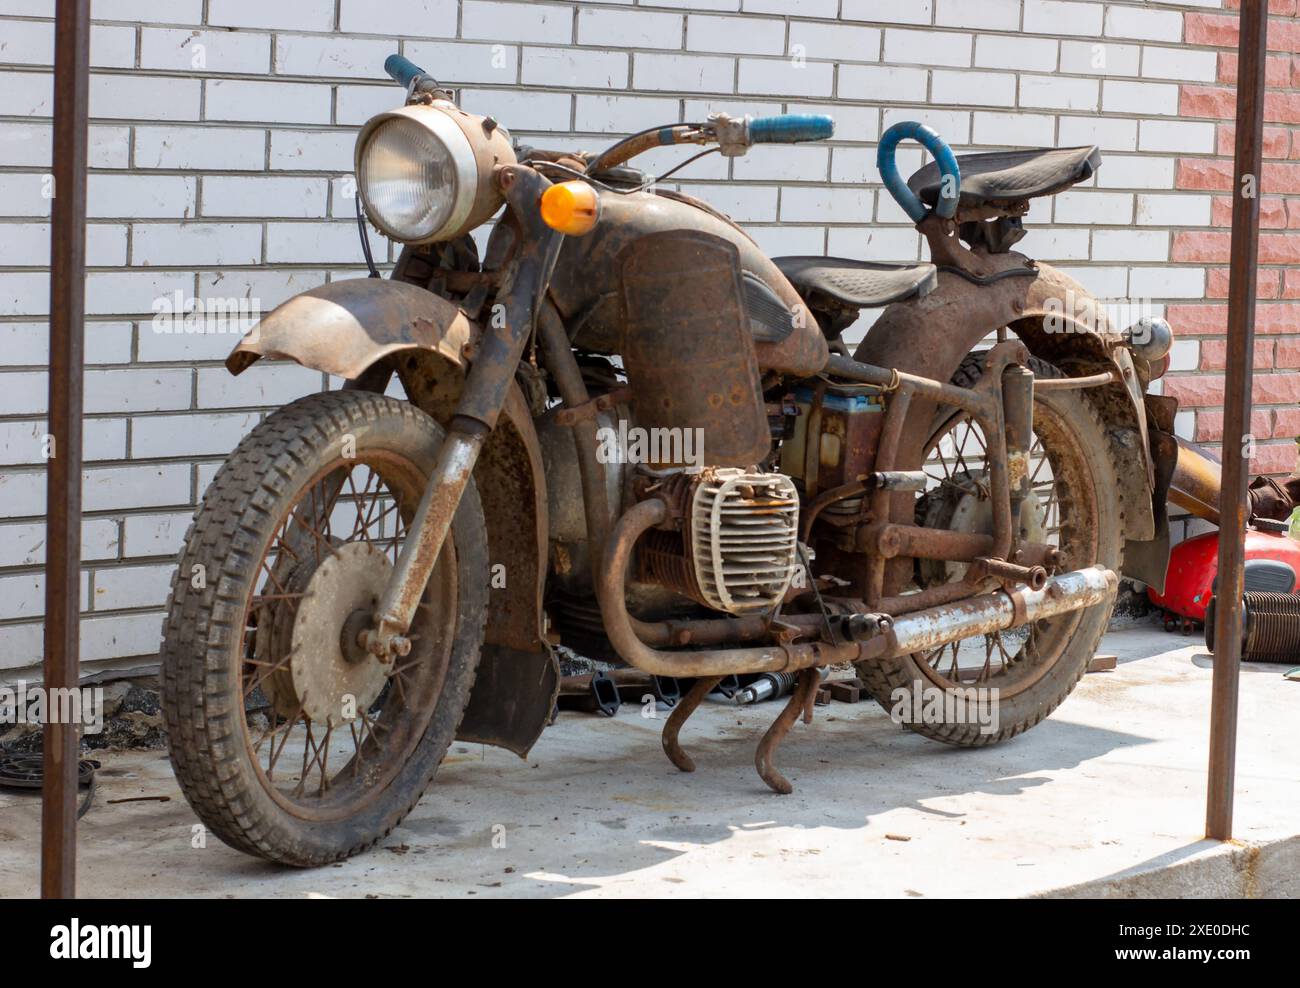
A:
(1193, 564)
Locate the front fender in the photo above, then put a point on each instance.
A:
(346, 327)
(1059, 321)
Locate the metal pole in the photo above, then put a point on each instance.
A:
(1253, 45)
(63, 488)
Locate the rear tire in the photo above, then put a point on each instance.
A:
(222, 670)
(1080, 450)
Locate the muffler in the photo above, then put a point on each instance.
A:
(1194, 486)
(922, 631)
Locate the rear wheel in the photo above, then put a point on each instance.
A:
(996, 686)
(288, 739)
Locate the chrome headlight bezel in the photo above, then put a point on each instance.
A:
(435, 120)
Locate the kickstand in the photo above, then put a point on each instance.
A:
(800, 702)
(685, 707)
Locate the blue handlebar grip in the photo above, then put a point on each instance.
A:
(791, 128)
(943, 156)
(402, 70)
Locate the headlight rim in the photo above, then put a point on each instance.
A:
(437, 122)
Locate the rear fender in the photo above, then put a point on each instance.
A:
(1059, 321)
(347, 327)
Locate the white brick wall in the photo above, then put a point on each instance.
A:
(221, 128)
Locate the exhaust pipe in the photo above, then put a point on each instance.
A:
(1197, 478)
(922, 631)
(1195, 484)
(919, 631)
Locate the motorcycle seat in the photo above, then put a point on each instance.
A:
(857, 284)
(1001, 177)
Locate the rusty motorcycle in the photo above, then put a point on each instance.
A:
(380, 569)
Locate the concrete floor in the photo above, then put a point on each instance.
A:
(1105, 798)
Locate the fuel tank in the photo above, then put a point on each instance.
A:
(586, 283)
(1272, 565)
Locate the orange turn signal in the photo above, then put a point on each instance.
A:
(572, 208)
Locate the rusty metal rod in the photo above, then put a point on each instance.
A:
(563, 366)
(677, 719)
(63, 473)
(1251, 59)
(946, 394)
(1074, 383)
(890, 438)
(428, 530)
(800, 703)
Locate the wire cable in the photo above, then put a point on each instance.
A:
(365, 240)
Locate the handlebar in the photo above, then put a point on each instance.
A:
(410, 76)
(734, 135)
(950, 185)
(402, 70)
(791, 128)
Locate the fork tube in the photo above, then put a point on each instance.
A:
(494, 360)
(431, 524)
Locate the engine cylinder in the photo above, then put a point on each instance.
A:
(737, 550)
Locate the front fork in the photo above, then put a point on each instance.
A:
(494, 359)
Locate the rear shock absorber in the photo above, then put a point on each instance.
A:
(1270, 626)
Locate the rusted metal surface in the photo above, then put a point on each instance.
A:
(929, 629)
(427, 533)
(1034, 577)
(63, 473)
(1233, 507)
(1147, 560)
(345, 327)
(896, 411)
(628, 148)
(593, 693)
(720, 631)
(677, 720)
(925, 629)
(1197, 478)
(573, 392)
(514, 693)
(482, 397)
(688, 349)
(838, 436)
(1274, 500)
(1018, 417)
(932, 596)
(984, 404)
(889, 540)
(712, 662)
(514, 690)
(930, 337)
(511, 481)
(587, 290)
(1076, 383)
(799, 704)
(501, 344)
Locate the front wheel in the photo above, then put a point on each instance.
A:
(991, 687)
(289, 740)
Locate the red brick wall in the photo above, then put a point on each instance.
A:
(1275, 421)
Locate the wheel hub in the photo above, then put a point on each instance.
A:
(329, 674)
(964, 505)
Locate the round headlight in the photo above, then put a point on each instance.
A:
(417, 174)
